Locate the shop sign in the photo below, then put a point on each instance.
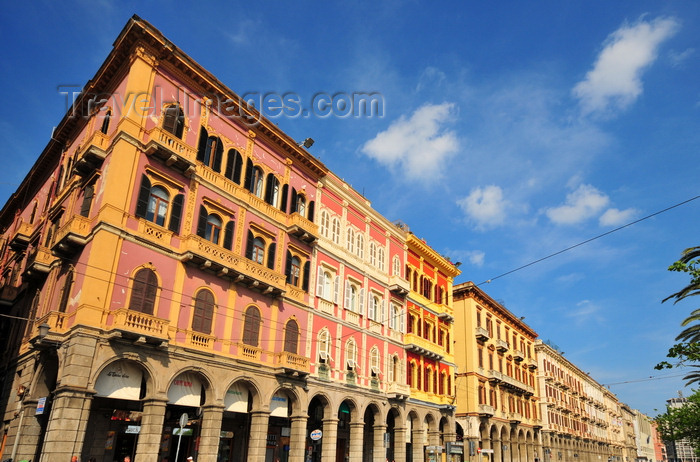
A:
(316, 435)
(183, 431)
(41, 405)
(133, 429)
(119, 380)
(455, 447)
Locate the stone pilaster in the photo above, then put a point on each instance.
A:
(330, 439)
(66, 429)
(356, 441)
(212, 415)
(400, 444)
(297, 443)
(259, 421)
(151, 428)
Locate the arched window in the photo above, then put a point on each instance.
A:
(272, 190)
(335, 230)
(360, 246)
(158, 202)
(324, 284)
(212, 230)
(324, 346)
(291, 336)
(143, 291)
(251, 326)
(203, 312)
(210, 150)
(325, 223)
(351, 355)
(105, 122)
(351, 297)
(372, 254)
(258, 250)
(66, 290)
(396, 266)
(351, 240)
(301, 205)
(395, 369)
(234, 165)
(374, 366)
(412, 375)
(380, 258)
(174, 120)
(153, 203)
(256, 182)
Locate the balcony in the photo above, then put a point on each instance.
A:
(494, 376)
(518, 356)
(515, 417)
(482, 334)
(71, 237)
(532, 363)
(249, 353)
(21, 236)
(8, 295)
(92, 154)
(501, 345)
(423, 347)
(141, 324)
(486, 411)
(325, 306)
(352, 317)
(397, 390)
(171, 150)
(211, 257)
(292, 364)
(510, 382)
(302, 228)
(39, 262)
(56, 321)
(548, 376)
(447, 314)
(398, 285)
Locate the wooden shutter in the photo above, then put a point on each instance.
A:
(176, 213)
(218, 155)
(283, 201)
(307, 270)
(288, 267)
(228, 235)
(202, 223)
(88, 194)
(202, 147)
(144, 195)
(310, 208)
(271, 255)
(249, 176)
(249, 246)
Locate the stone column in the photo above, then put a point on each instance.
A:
(329, 441)
(379, 450)
(417, 443)
(151, 428)
(297, 440)
(357, 432)
(210, 432)
(400, 444)
(257, 440)
(497, 455)
(66, 429)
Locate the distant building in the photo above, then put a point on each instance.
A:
(681, 450)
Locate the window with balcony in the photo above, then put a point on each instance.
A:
(360, 246)
(259, 251)
(105, 122)
(335, 230)
(350, 241)
(144, 291)
(272, 190)
(210, 150)
(254, 179)
(251, 326)
(291, 336)
(234, 166)
(203, 312)
(174, 120)
(324, 227)
(154, 205)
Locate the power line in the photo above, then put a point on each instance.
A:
(588, 240)
(643, 380)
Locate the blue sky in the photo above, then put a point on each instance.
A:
(509, 131)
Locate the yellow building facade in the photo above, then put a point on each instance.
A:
(497, 397)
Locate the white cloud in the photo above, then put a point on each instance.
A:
(616, 217)
(679, 58)
(585, 311)
(585, 202)
(418, 145)
(615, 80)
(486, 206)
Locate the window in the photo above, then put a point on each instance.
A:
(375, 311)
(324, 284)
(351, 240)
(396, 266)
(394, 369)
(251, 326)
(351, 355)
(335, 230)
(258, 250)
(291, 336)
(325, 221)
(234, 165)
(65, 291)
(203, 312)
(212, 229)
(174, 120)
(380, 258)
(143, 291)
(374, 366)
(394, 317)
(300, 207)
(294, 273)
(88, 194)
(255, 250)
(360, 246)
(272, 190)
(154, 203)
(324, 346)
(256, 182)
(105, 122)
(210, 151)
(351, 296)
(210, 225)
(372, 254)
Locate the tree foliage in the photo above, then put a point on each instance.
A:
(681, 423)
(687, 353)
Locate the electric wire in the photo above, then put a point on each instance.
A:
(539, 260)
